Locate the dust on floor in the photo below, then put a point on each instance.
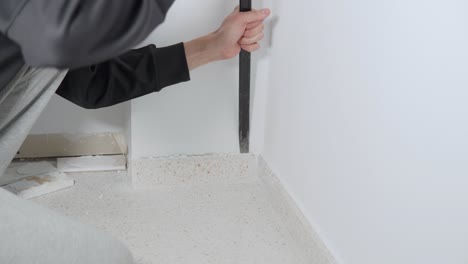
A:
(220, 223)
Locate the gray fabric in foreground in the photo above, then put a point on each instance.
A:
(31, 234)
(21, 103)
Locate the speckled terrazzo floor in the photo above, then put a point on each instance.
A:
(185, 224)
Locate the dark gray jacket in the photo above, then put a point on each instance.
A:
(72, 33)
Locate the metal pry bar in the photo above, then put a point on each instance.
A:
(244, 90)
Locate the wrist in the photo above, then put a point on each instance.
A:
(201, 51)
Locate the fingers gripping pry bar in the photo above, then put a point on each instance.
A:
(244, 90)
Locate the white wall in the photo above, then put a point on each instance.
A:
(61, 116)
(195, 117)
(367, 124)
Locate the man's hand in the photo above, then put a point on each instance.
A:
(240, 30)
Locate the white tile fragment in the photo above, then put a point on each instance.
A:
(34, 186)
(19, 170)
(92, 163)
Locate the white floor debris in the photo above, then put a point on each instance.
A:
(19, 170)
(33, 179)
(34, 186)
(209, 223)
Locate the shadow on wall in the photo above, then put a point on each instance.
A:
(261, 76)
(267, 42)
(62, 116)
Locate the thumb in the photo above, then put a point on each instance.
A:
(254, 16)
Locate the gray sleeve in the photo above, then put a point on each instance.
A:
(75, 33)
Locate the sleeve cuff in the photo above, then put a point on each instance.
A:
(173, 67)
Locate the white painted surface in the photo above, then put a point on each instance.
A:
(229, 223)
(62, 116)
(195, 117)
(309, 242)
(367, 125)
(260, 83)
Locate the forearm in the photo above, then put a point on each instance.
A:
(201, 51)
(136, 73)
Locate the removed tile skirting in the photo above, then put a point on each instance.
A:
(70, 145)
(195, 170)
(92, 163)
(307, 238)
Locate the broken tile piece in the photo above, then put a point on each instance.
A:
(19, 170)
(34, 186)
